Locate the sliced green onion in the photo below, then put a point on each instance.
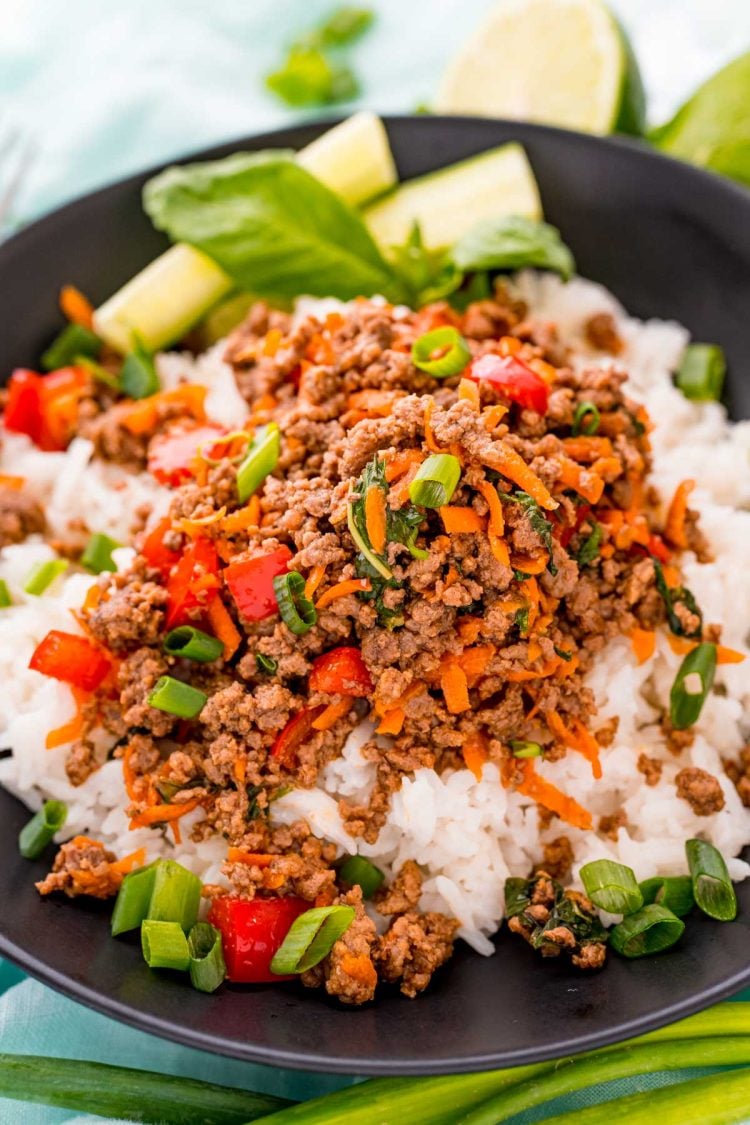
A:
(522, 749)
(193, 644)
(97, 555)
(73, 342)
(586, 419)
(164, 945)
(5, 598)
(176, 894)
(441, 353)
(297, 612)
(375, 562)
(177, 698)
(359, 871)
(34, 836)
(589, 549)
(692, 684)
(43, 574)
(207, 968)
(701, 374)
(650, 930)
(611, 886)
(265, 664)
(712, 887)
(311, 937)
(675, 892)
(436, 481)
(138, 376)
(133, 899)
(260, 460)
(98, 372)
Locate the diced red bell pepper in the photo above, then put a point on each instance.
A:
(193, 584)
(23, 411)
(284, 749)
(154, 551)
(252, 930)
(72, 659)
(658, 548)
(341, 671)
(513, 378)
(45, 407)
(170, 455)
(250, 582)
(567, 532)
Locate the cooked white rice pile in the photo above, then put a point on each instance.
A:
(469, 836)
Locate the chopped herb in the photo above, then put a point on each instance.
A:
(563, 653)
(536, 518)
(520, 575)
(138, 376)
(429, 275)
(522, 620)
(402, 526)
(265, 664)
(309, 74)
(677, 596)
(567, 910)
(253, 811)
(73, 342)
(589, 551)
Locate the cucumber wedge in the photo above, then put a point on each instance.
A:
(353, 159)
(448, 203)
(163, 301)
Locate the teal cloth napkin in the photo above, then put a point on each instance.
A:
(98, 91)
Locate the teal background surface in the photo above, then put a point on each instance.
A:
(99, 90)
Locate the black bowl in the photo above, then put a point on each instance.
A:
(670, 241)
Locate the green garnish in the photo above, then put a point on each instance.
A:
(569, 912)
(138, 376)
(311, 937)
(651, 929)
(589, 549)
(441, 353)
(40, 830)
(297, 611)
(586, 419)
(5, 598)
(712, 887)
(207, 968)
(361, 872)
(193, 644)
(402, 526)
(177, 698)
(260, 460)
(98, 372)
(513, 242)
(675, 596)
(265, 664)
(97, 554)
(436, 481)
(536, 518)
(692, 684)
(133, 899)
(701, 373)
(75, 341)
(522, 620)
(675, 892)
(429, 275)
(611, 886)
(522, 749)
(309, 75)
(164, 945)
(43, 574)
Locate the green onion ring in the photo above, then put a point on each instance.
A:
(311, 937)
(164, 945)
(675, 892)
(207, 968)
(522, 749)
(696, 671)
(193, 644)
(97, 554)
(650, 930)
(359, 871)
(611, 886)
(297, 612)
(40, 830)
(265, 664)
(260, 460)
(701, 374)
(43, 574)
(453, 352)
(133, 899)
(580, 425)
(712, 887)
(436, 481)
(176, 698)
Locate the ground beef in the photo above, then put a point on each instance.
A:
(739, 773)
(137, 677)
(601, 332)
(413, 947)
(610, 826)
(348, 972)
(82, 867)
(20, 516)
(651, 768)
(701, 790)
(130, 613)
(558, 857)
(403, 893)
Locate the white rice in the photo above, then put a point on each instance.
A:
(468, 835)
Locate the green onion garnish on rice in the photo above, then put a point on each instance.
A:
(97, 554)
(260, 460)
(611, 886)
(692, 684)
(193, 644)
(701, 374)
(441, 353)
(43, 574)
(311, 937)
(586, 419)
(297, 612)
(651, 929)
(360, 871)
(712, 887)
(40, 830)
(177, 698)
(207, 968)
(523, 749)
(436, 481)
(5, 598)
(164, 945)
(138, 376)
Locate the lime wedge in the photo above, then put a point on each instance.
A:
(713, 127)
(559, 62)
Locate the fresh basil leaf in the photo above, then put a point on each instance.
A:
(138, 375)
(512, 243)
(309, 78)
(274, 228)
(674, 596)
(590, 547)
(539, 523)
(428, 275)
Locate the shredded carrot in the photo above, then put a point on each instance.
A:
(429, 437)
(392, 721)
(583, 481)
(530, 564)
(533, 651)
(371, 401)
(272, 342)
(577, 737)
(252, 859)
(333, 712)
(162, 814)
(224, 627)
(127, 863)
(530, 590)
(461, 521)
(553, 799)
(608, 468)
(509, 345)
(474, 661)
(326, 897)
(469, 629)
(360, 968)
(454, 686)
(239, 769)
(75, 307)
(8, 481)
(141, 416)
(468, 390)
(510, 604)
(375, 518)
(493, 502)
(587, 448)
(504, 460)
(675, 530)
(499, 549)
(671, 576)
(262, 405)
(543, 369)
(249, 516)
(196, 528)
(493, 416)
(681, 646)
(567, 668)
(523, 675)
(73, 729)
(128, 774)
(401, 462)
(644, 644)
(474, 752)
(314, 578)
(341, 589)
